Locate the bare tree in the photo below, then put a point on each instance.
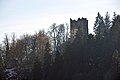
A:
(6, 46)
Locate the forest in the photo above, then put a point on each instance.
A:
(51, 56)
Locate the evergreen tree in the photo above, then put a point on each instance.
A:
(99, 27)
(115, 32)
(107, 22)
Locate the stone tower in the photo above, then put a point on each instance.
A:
(81, 24)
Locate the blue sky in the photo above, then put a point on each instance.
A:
(28, 16)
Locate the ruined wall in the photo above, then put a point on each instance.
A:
(81, 24)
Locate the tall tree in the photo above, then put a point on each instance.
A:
(107, 22)
(99, 27)
(57, 35)
(47, 62)
(12, 46)
(115, 31)
(7, 52)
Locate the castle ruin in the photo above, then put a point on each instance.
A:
(81, 24)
